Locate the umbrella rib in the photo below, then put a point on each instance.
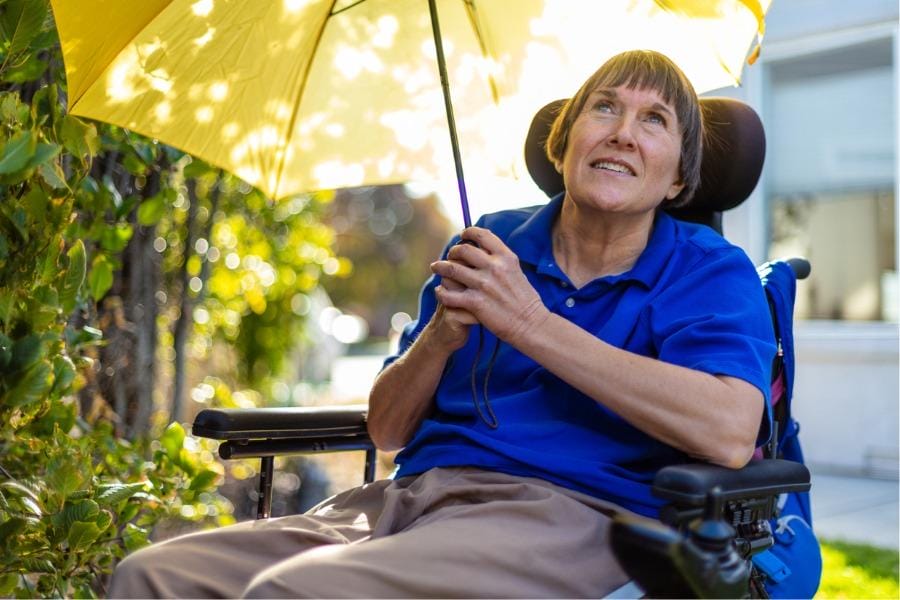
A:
(303, 82)
(471, 12)
(334, 12)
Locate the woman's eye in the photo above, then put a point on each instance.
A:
(603, 106)
(656, 118)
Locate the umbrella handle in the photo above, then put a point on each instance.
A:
(448, 105)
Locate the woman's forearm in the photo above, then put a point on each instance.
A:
(403, 394)
(708, 417)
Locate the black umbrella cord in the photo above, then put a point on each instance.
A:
(448, 104)
(490, 419)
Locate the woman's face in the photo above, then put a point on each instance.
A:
(623, 152)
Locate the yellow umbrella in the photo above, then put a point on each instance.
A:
(300, 95)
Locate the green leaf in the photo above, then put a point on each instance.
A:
(8, 582)
(28, 70)
(135, 537)
(32, 388)
(36, 200)
(10, 528)
(172, 440)
(63, 375)
(26, 352)
(100, 278)
(21, 21)
(15, 218)
(196, 168)
(129, 512)
(134, 165)
(115, 237)
(16, 152)
(82, 534)
(43, 153)
(111, 494)
(11, 109)
(84, 592)
(46, 296)
(78, 137)
(204, 480)
(81, 510)
(53, 175)
(15, 488)
(65, 474)
(73, 278)
(46, 102)
(151, 210)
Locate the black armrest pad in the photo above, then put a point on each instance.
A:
(688, 484)
(269, 423)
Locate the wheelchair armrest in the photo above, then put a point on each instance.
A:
(265, 433)
(280, 423)
(688, 485)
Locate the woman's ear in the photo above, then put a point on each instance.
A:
(675, 189)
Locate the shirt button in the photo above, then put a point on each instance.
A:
(564, 284)
(570, 302)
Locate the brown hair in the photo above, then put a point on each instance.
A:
(643, 69)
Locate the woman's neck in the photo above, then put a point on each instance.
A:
(591, 245)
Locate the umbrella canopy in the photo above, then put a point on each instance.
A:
(300, 95)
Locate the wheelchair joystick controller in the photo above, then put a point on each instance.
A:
(720, 572)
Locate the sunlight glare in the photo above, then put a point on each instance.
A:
(163, 112)
(351, 62)
(205, 38)
(230, 131)
(294, 5)
(251, 175)
(202, 8)
(329, 172)
(408, 127)
(335, 130)
(120, 83)
(218, 91)
(387, 27)
(160, 81)
(204, 114)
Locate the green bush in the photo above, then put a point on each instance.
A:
(74, 495)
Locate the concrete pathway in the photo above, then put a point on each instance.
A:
(855, 509)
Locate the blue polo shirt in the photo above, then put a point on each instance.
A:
(691, 299)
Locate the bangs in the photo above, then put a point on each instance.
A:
(648, 71)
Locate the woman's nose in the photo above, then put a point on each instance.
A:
(623, 133)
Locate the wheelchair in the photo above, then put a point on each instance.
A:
(716, 519)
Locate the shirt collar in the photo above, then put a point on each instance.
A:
(532, 241)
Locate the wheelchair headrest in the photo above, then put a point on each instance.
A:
(734, 148)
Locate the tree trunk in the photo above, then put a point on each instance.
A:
(188, 302)
(142, 272)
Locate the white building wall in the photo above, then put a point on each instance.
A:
(846, 395)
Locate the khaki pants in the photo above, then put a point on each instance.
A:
(448, 533)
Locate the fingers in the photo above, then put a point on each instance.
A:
(484, 239)
(470, 255)
(455, 274)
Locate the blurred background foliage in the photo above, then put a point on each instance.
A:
(136, 285)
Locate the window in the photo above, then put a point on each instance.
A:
(832, 131)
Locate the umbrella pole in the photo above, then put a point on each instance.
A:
(451, 121)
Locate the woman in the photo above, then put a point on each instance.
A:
(620, 341)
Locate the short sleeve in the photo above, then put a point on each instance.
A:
(715, 319)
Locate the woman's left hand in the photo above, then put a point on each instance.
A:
(493, 287)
